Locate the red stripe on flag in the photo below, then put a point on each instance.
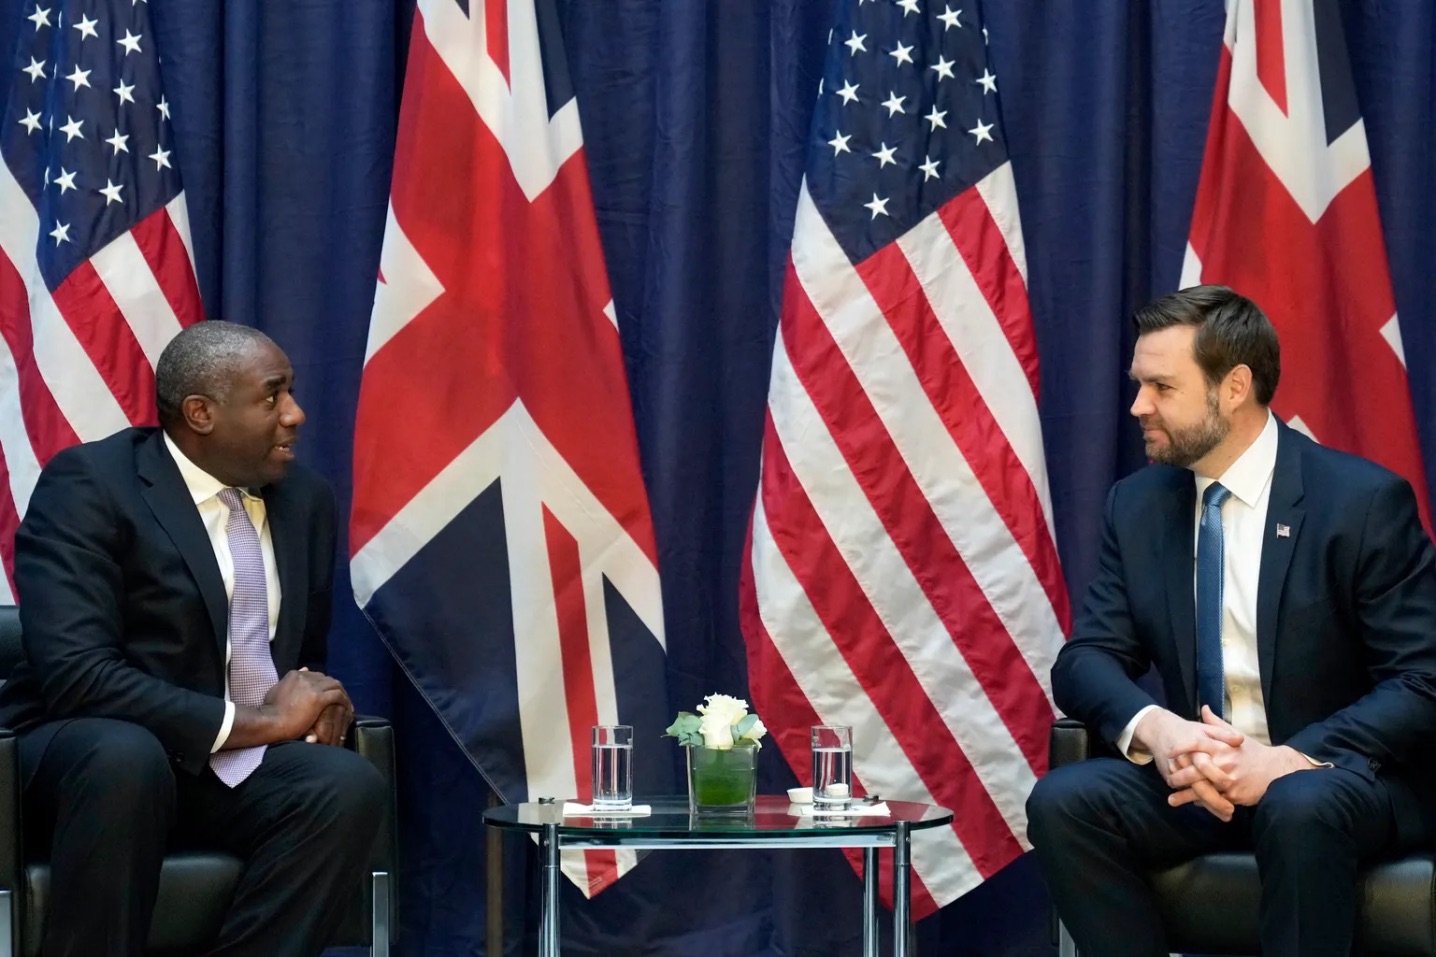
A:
(776, 692)
(879, 665)
(492, 335)
(45, 424)
(496, 34)
(980, 242)
(164, 250)
(107, 339)
(578, 692)
(918, 534)
(1271, 51)
(9, 519)
(948, 386)
(1324, 285)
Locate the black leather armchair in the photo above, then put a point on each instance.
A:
(195, 886)
(1209, 904)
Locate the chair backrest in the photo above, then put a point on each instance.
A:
(12, 652)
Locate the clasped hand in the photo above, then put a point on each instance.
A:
(317, 702)
(1212, 764)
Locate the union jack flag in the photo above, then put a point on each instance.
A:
(902, 576)
(1286, 214)
(96, 265)
(500, 539)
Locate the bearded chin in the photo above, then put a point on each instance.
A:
(1191, 445)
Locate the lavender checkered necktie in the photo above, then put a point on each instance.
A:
(251, 666)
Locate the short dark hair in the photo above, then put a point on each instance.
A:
(1231, 331)
(200, 361)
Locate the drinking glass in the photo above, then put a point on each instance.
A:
(832, 766)
(612, 767)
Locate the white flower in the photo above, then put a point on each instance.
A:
(756, 731)
(724, 706)
(717, 733)
(720, 713)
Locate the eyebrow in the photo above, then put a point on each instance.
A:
(1158, 379)
(279, 378)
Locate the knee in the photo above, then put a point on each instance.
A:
(1300, 805)
(1058, 798)
(347, 792)
(122, 757)
(121, 764)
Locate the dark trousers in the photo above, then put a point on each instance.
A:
(105, 799)
(1099, 825)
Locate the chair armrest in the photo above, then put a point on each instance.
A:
(373, 739)
(1068, 743)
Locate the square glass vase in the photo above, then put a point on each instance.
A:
(722, 782)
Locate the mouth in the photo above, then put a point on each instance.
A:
(285, 449)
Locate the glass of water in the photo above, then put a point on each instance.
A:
(832, 766)
(612, 767)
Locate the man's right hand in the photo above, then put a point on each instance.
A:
(290, 710)
(1177, 743)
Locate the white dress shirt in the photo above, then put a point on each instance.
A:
(1243, 532)
(204, 489)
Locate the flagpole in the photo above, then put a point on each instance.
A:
(494, 887)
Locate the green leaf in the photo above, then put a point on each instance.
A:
(744, 726)
(684, 727)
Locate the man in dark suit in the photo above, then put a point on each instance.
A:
(174, 589)
(1286, 595)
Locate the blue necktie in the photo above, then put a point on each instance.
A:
(1211, 682)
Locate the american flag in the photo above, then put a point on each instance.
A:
(96, 266)
(500, 538)
(902, 576)
(1286, 214)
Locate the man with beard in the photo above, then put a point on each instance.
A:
(1286, 595)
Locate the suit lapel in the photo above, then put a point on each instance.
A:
(1177, 558)
(1283, 526)
(173, 507)
(286, 534)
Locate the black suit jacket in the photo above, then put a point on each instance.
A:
(1346, 613)
(121, 600)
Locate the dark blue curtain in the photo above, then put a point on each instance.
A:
(695, 114)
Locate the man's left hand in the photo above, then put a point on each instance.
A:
(1242, 774)
(333, 722)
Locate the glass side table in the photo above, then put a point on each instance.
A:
(771, 825)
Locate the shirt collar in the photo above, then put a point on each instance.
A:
(1248, 476)
(202, 486)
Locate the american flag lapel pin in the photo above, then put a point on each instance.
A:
(1283, 531)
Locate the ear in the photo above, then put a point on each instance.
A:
(198, 411)
(1238, 386)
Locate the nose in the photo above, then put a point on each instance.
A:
(292, 416)
(1142, 404)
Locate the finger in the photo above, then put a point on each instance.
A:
(1185, 778)
(1211, 744)
(1209, 769)
(1184, 796)
(1215, 725)
(1214, 800)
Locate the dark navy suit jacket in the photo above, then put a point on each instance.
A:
(1346, 616)
(121, 600)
